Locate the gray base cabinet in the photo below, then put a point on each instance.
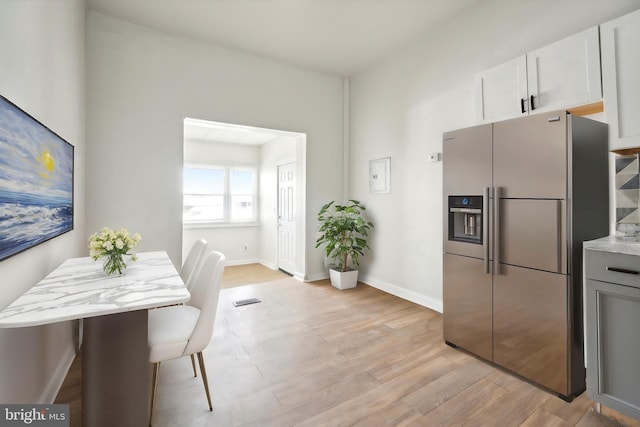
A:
(612, 308)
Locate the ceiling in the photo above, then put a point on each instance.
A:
(339, 37)
(203, 130)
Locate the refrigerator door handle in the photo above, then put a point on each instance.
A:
(496, 230)
(561, 239)
(485, 229)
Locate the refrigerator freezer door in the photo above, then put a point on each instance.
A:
(530, 325)
(532, 234)
(530, 156)
(467, 305)
(467, 160)
(466, 172)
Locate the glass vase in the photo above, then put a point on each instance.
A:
(114, 264)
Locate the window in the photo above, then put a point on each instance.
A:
(219, 194)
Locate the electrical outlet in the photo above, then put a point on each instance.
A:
(434, 157)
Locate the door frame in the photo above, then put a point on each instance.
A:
(300, 196)
(267, 254)
(295, 220)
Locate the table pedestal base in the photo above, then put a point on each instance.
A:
(115, 370)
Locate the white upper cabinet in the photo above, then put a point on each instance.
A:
(501, 91)
(561, 75)
(565, 73)
(621, 80)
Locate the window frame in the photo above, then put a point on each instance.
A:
(227, 221)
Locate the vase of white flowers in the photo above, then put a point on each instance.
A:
(113, 246)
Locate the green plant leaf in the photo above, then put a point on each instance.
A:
(343, 231)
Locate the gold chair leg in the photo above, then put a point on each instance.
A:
(154, 388)
(204, 379)
(193, 365)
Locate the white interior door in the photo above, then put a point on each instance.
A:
(286, 218)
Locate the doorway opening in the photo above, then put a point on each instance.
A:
(234, 197)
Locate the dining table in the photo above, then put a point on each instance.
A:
(114, 313)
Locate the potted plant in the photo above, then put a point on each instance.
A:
(343, 230)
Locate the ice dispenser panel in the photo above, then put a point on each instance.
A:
(465, 219)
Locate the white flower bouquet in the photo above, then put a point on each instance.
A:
(113, 245)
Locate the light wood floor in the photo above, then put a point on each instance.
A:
(311, 355)
(241, 275)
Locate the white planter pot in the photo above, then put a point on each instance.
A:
(343, 280)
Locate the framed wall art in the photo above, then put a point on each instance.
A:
(36, 181)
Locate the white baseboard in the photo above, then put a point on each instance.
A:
(268, 264)
(403, 293)
(243, 262)
(55, 382)
(317, 276)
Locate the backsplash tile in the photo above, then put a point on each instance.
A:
(628, 195)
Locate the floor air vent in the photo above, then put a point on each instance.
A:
(246, 301)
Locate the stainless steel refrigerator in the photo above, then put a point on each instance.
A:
(520, 197)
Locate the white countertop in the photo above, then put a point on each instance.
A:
(616, 244)
(79, 288)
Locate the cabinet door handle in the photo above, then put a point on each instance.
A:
(622, 270)
(522, 105)
(531, 107)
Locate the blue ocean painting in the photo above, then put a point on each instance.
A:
(36, 182)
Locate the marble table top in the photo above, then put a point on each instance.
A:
(79, 288)
(616, 244)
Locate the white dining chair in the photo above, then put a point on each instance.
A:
(185, 330)
(188, 274)
(191, 264)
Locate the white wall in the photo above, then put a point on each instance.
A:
(42, 71)
(228, 240)
(401, 107)
(221, 153)
(142, 84)
(272, 154)
(261, 240)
